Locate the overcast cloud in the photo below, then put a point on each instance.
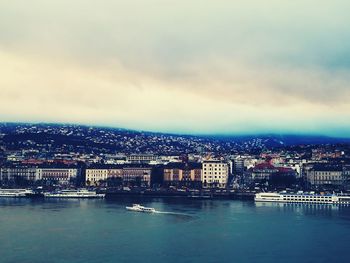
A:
(179, 66)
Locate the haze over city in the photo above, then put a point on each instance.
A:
(178, 66)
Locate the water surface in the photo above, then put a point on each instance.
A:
(190, 231)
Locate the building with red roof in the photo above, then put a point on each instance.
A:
(264, 171)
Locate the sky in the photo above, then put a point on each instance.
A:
(183, 66)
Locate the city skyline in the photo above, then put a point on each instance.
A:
(172, 66)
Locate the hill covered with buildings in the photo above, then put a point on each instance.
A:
(64, 138)
(77, 155)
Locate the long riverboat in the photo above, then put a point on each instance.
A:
(303, 198)
(15, 192)
(82, 193)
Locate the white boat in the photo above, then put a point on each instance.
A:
(301, 197)
(140, 208)
(15, 192)
(82, 193)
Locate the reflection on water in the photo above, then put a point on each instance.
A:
(179, 207)
(44, 204)
(307, 209)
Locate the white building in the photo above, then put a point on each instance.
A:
(95, 175)
(60, 175)
(215, 174)
(142, 158)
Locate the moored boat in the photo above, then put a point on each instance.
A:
(82, 193)
(15, 192)
(301, 197)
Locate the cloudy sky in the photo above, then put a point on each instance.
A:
(189, 66)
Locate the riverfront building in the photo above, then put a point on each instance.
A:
(61, 175)
(96, 175)
(265, 170)
(137, 174)
(183, 174)
(215, 174)
(323, 175)
(18, 174)
(141, 174)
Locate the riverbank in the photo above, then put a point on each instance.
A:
(225, 195)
